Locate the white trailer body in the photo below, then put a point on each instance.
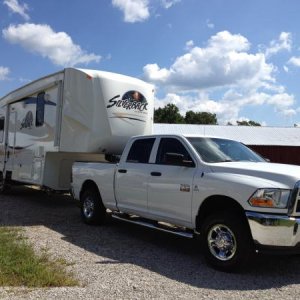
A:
(68, 116)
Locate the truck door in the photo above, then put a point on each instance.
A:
(170, 186)
(132, 178)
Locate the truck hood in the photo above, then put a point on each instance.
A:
(281, 173)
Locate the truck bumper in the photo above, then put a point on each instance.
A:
(274, 232)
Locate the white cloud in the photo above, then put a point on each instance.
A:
(41, 39)
(4, 71)
(17, 8)
(24, 80)
(224, 62)
(295, 61)
(226, 41)
(229, 107)
(288, 112)
(225, 110)
(281, 101)
(134, 10)
(284, 42)
(189, 45)
(224, 78)
(155, 74)
(139, 10)
(169, 3)
(209, 24)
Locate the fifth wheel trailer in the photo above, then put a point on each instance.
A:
(72, 115)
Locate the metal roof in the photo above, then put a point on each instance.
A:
(249, 135)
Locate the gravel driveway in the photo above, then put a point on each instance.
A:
(125, 261)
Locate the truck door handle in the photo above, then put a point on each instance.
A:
(122, 171)
(155, 174)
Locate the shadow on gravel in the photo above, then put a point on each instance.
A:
(177, 258)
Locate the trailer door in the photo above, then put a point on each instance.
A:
(10, 151)
(2, 141)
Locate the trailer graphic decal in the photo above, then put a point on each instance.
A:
(127, 116)
(33, 100)
(27, 121)
(132, 100)
(18, 148)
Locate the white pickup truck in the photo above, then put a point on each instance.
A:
(238, 202)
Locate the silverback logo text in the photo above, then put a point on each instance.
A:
(131, 100)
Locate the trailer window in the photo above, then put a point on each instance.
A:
(40, 109)
(2, 122)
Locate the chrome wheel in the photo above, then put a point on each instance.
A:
(221, 242)
(88, 207)
(92, 209)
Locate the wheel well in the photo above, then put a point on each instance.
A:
(215, 204)
(89, 184)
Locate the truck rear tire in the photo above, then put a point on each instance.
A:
(226, 241)
(92, 209)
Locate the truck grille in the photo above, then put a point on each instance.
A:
(294, 203)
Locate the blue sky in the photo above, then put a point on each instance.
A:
(238, 59)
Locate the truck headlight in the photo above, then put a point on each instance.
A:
(272, 198)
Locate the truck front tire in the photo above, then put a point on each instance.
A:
(226, 241)
(92, 209)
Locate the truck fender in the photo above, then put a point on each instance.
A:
(216, 203)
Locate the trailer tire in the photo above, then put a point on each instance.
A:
(226, 241)
(92, 209)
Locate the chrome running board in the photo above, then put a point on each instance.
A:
(165, 227)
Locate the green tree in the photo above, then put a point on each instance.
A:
(168, 114)
(200, 118)
(247, 123)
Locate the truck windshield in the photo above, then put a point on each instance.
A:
(214, 150)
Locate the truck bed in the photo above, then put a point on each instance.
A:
(102, 172)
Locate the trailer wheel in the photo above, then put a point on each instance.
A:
(226, 241)
(92, 209)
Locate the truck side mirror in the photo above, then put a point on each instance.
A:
(178, 160)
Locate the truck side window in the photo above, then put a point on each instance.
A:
(40, 109)
(170, 145)
(140, 151)
(2, 122)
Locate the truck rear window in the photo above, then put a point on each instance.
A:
(140, 151)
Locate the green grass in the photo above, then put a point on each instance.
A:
(20, 266)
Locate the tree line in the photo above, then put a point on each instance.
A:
(170, 114)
